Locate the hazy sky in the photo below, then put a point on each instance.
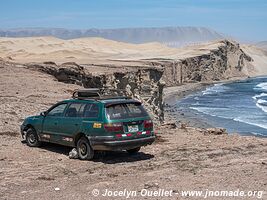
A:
(243, 19)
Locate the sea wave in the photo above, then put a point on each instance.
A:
(213, 111)
(258, 134)
(262, 104)
(238, 106)
(217, 88)
(259, 96)
(225, 113)
(261, 87)
(249, 121)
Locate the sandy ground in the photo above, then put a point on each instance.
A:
(24, 92)
(181, 159)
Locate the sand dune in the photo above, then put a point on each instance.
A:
(262, 45)
(85, 49)
(259, 57)
(102, 51)
(89, 50)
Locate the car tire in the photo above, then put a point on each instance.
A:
(133, 151)
(32, 139)
(85, 151)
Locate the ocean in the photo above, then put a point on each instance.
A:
(240, 106)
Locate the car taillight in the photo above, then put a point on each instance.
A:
(123, 135)
(113, 127)
(118, 135)
(148, 124)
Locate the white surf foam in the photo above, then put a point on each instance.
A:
(209, 111)
(259, 96)
(261, 87)
(217, 88)
(262, 101)
(262, 104)
(258, 134)
(212, 111)
(248, 121)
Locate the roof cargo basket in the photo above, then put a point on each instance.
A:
(100, 93)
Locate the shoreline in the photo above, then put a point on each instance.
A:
(183, 90)
(184, 116)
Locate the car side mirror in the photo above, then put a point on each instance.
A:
(43, 113)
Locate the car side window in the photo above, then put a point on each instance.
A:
(91, 110)
(73, 110)
(57, 111)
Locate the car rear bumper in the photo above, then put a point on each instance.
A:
(118, 145)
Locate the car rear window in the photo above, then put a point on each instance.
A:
(125, 110)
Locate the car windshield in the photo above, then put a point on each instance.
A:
(125, 110)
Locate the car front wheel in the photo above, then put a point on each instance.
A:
(32, 139)
(84, 149)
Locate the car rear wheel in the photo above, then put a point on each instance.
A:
(133, 151)
(84, 149)
(32, 139)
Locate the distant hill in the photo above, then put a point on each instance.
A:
(262, 45)
(172, 36)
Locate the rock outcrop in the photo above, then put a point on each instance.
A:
(224, 62)
(141, 83)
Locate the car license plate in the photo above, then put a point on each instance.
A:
(133, 128)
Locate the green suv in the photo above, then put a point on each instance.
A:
(89, 122)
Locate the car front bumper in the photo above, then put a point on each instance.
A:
(118, 145)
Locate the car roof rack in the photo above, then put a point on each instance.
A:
(99, 94)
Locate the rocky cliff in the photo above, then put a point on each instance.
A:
(226, 61)
(141, 83)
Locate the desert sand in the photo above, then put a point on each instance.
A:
(83, 50)
(259, 58)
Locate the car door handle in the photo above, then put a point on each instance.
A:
(76, 124)
(55, 123)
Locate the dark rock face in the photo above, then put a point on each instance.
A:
(224, 62)
(215, 131)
